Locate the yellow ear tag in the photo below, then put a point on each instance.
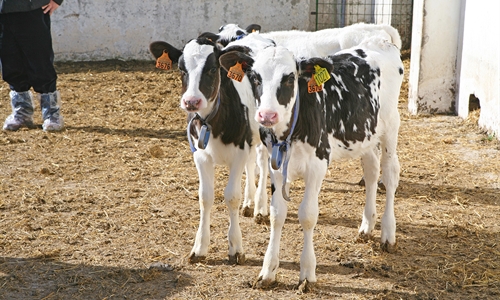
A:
(236, 72)
(312, 87)
(164, 62)
(321, 75)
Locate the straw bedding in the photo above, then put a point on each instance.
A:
(107, 208)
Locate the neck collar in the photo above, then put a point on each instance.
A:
(204, 134)
(281, 155)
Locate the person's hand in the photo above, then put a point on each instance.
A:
(50, 8)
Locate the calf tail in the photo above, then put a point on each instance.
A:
(396, 38)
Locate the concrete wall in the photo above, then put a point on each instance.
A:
(123, 29)
(480, 62)
(455, 54)
(434, 51)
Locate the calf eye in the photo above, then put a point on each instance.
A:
(256, 82)
(291, 79)
(213, 71)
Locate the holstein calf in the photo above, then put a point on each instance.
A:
(316, 111)
(229, 33)
(321, 43)
(221, 131)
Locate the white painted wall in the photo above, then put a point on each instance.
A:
(480, 62)
(433, 56)
(123, 29)
(455, 53)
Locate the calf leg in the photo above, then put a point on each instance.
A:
(260, 210)
(249, 184)
(308, 217)
(205, 169)
(232, 197)
(380, 183)
(278, 211)
(390, 176)
(371, 171)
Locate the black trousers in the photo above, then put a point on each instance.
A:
(26, 51)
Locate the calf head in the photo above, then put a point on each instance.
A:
(231, 32)
(199, 67)
(274, 75)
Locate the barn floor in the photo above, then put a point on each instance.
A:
(86, 212)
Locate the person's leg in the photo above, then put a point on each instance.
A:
(51, 107)
(22, 111)
(44, 76)
(14, 72)
(35, 40)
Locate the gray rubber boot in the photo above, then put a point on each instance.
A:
(51, 104)
(22, 111)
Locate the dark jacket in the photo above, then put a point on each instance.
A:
(10, 6)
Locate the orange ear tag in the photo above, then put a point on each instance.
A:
(163, 62)
(313, 87)
(236, 72)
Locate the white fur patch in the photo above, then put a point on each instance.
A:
(195, 56)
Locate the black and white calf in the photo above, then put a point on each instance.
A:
(321, 43)
(345, 116)
(230, 32)
(221, 131)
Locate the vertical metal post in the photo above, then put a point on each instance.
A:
(342, 13)
(372, 17)
(317, 15)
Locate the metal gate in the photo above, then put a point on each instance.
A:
(340, 13)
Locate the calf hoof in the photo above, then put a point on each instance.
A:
(237, 259)
(389, 248)
(305, 286)
(380, 183)
(363, 237)
(193, 259)
(260, 219)
(263, 284)
(247, 212)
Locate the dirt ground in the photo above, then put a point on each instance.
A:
(107, 208)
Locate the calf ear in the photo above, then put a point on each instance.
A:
(243, 49)
(233, 56)
(307, 66)
(253, 28)
(209, 36)
(158, 48)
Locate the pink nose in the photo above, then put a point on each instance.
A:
(267, 117)
(191, 103)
